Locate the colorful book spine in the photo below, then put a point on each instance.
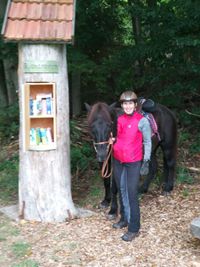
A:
(49, 136)
(49, 105)
(31, 105)
(44, 106)
(43, 136)
(40, 136)
(32, 137)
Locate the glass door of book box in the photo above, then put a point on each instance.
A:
(40, 116)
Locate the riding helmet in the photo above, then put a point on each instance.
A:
(128, 96)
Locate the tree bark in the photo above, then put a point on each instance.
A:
(10, 72)
(3, 4)
(3, 92)
(136, 26)
(76, 93)
(44, 176)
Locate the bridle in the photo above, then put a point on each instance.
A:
(100, 143)
(105, 168)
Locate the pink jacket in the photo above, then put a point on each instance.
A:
(128, 146)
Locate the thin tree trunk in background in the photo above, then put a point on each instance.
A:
(2, 8)
(11, 80)
(76, 93)
(136, 26)
(152, 5)
(45, 176)
(3, 92)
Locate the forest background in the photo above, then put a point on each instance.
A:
(152, 47)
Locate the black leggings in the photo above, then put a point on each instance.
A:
(127, 179)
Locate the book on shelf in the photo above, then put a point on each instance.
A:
(41, 105)
(40, 136)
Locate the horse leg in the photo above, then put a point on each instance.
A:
(106, 202)
(169, 162)
(112, 214)
(153, 166)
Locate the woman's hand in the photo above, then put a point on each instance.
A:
(144, 168)
(111, 140)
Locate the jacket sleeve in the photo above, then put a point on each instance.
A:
(145, 128)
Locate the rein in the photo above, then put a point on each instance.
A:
(105, 168)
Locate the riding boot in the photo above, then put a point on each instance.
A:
(120, 224)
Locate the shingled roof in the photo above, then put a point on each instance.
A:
(39, 20)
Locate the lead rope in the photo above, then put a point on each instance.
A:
(105, 167)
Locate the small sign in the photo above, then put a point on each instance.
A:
(49, 66)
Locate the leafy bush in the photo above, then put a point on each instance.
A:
(81, 158)
(183, 176)
(81, 152)
(9, 122)
(8, 179)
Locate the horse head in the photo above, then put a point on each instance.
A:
(100, 127)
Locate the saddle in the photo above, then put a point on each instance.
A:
(146, 107)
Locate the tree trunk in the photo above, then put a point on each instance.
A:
(3, 93)
(136, 26)
(10, 72)
(76, 93)
(44, 176)
(3, 4)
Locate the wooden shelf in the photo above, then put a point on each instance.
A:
(42, 147)
(40, 116)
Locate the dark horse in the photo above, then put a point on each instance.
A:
(102, 121)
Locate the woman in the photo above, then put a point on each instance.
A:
(133, 134)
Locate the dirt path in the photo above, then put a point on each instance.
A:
(165, 239)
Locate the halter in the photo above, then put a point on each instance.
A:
(104, 169)
(100, 143)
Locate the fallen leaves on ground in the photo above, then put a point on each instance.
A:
(164, 240)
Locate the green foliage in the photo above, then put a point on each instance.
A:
(7, 50)
(162, 62)
(26, 263)
(183, 137)
(81, 152)
(195, 144)
(21, 249)
(185, 192)
(9, 122)
(183, 176)
(81, 158)
(7, 230)
(8, 179)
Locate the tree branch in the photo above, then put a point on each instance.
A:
(190, 113)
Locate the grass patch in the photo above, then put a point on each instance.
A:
(183, 176)
(21, 249)
(26, 263)
(185, 192)
(95, 191)
(8, 180)
(7, 229)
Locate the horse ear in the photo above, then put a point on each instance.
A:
(112, 106)
(87, 106)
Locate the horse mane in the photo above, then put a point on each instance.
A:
(99, 109)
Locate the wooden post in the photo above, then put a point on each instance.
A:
(44, 176)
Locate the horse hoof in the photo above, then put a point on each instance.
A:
(104, 204)
(166, 194)
(143, 190)
(111, 217)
